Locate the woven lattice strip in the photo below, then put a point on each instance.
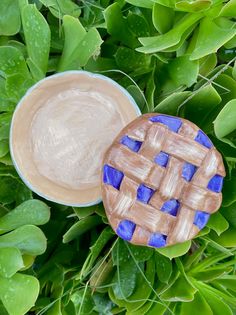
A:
(183, 229)
(137, 166)
(172, 184)
(161, 180)
(151, 219)
(199, 198)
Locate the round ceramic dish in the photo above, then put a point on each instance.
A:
(60, 131)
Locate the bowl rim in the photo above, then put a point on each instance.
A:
(18, 106)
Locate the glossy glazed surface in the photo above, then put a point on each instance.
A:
(78, 127)
(162, 178)
(60, 131)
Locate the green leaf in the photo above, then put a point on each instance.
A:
(203, 232)
(59, 8)
(83, 302)
(229, 9)
(22, 193)
(20, 46)
(163, 267)
(70, 309)
(14, 289)
(226, 239)
(192, 259)
(8, 186)
(79, 45)
(167, 3)
(3, 210)
(91, 46)
(28, 261)
(142, 290)
(181, 47)
(4, 147)
(144, 309)
(9, 17)
(212, 274)
(157, 308)
(212, 241)
(207, 64)
(193, 6)
(181, 290)
(128, 59)
(5, 120)
(7, 171)
(12, 61)
(141, 3)
(234, 71)
(117, 26)
(55, 309)
(183, 71)
(229, 190)
(162, 18)
(103, 303)
(100, 64)
(95, 250)
(84, 212)
(225, 55)
(139, 253)
(210, 38)
(121, 287)
(172, 102)
(138, 25)
(29, 212)
(150, 91)
(230, 214)
(169, 39)
(225, 123)
(208, 262)
(57, 40)
(17, 85)
(193, 307)
(101, 276)
(12, 189)
(81, 227)
(198, 110)
(3, 311)
(176, 75)
(231, 45)
(6, 160)
(10, 261)
(228, 281)
(74, 33)
(226, 87)
(53, 273)
(37, 37)
(29, 239)
(175, 250)
(137, 95)
(218, 223)
(4, 102)
(218, 307)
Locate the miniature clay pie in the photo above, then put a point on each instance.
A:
(60, 131)
(162, 178)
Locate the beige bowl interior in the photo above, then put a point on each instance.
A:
(60, 131)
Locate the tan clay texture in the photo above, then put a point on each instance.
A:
(166, 183)
(61, 130)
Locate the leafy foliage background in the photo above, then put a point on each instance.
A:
(174, 57)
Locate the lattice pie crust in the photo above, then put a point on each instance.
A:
(162, 178)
